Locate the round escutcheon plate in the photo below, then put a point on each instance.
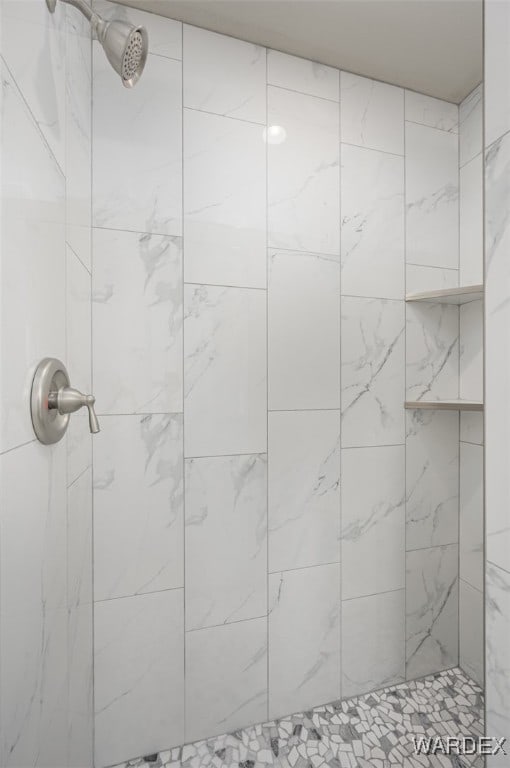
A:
(49, 425)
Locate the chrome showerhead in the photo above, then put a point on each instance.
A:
(126, 46)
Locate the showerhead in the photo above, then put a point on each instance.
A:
(126, 46)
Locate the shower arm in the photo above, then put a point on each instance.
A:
(82, 6)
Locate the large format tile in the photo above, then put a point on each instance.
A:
(303, 331)
(224, 201)
(224, 371)
(226, 678)
(435, 113)
(373, 520)
(420, 278)
(304, 488)
(432, 197)
(497, 615)
(471, 125)
(471, 515)
(432, 610)
(80, 718)
(138, 505)
(471, 351)
(303, 172)
(302, 75)
(471, 222)
(79, 541)
(432, 478)
(137, 136)
(372, 223)
(432, 351)
(138, 675)
(373, 642)
(224, 75)
(496, 70)
(372, 372)
(226, 539)
(471, 635)
(372, 113)
(471, 427)
(137, 322)
(304, 638)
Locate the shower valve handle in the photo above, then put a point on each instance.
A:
(69, 400)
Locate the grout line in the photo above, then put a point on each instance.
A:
(304, 567)
(372, 149)
(266, 158)
(138, 594)
(340, 377)
(374, 594)
(434, 127)
(220, 285)
(406, 416)
(220, 114)
(226, 624)
(17, 447)
(184, 538)
(225, 455)
(304, 93)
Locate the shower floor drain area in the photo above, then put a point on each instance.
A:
(375, 730)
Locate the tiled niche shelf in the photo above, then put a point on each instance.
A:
(460, 295)
(444, 405)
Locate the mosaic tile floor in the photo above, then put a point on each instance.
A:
(370, 731)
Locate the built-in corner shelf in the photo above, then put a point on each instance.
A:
(444, 405)
(461, 295)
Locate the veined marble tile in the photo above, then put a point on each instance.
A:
(373, 642)
(224, 201)
(432, 610)
(303, 330)
(372, 223)
(432, 197)
(471, 515)
(496, 70)
(79, 541)
(138, 505)
(471, 222)
(226, 540)
(372, 113)
(79, 446)
(80, 719)
(137, 159)
(138, 675)
(432, 351)
(304, 638)
(498, 655)
(226, 678)
(497, 338)
(303, 172)
(373, 520)
(471, 427)
(302, 75)
(224, 371)
(137, 322)
(471, 351)
(432, 478)
(435, 113)
(304, 488)
(224, 75)
(32, 256)
(471, 125)
(165, 35)
(419, 278)
(471, 617)
(372, 372)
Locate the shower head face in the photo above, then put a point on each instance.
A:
(126, 48)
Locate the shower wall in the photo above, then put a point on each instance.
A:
(497, 320)
(45, 491)
(257, 221)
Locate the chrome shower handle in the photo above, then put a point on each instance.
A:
(69, 400)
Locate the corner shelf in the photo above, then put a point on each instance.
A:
(460, 295)
(444, 405)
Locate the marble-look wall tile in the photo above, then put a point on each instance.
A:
(432, 478)
(80, 719)
(304, 639)
(471, 222)
(471, 618)
(302, 75)
(226, 678)
(138, 675)
(471, 427)
(419, 278)
(165, 35)
(224, 75)
(372, 113)
(432, 197)
(225, 405)
(303, 354)
(497, 609)
(471, 514)
(373, 520)
(432, 351)
(373, 642)
(79, 541)
(372, 195)
(303, 172)
(471, 125)
(471, 351)
(497, 339)
(496, 70)
(372, 372)
(138, 505)
(435, 113)
(224, 201)
(304, 489)
(137, 322)
(137, 175)
(226, 540)
(432, 610)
